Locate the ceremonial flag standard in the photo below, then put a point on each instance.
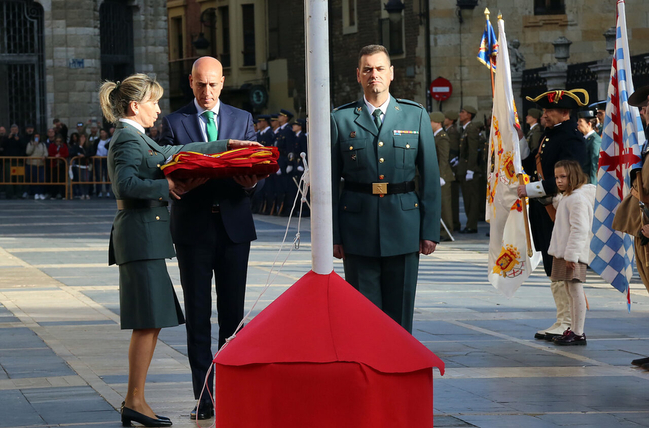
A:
(488, 50)
(509, 263)
(611, 252)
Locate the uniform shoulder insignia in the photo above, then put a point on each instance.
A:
(412, 103)
(353, 103)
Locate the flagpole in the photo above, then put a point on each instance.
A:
(491, 60)
(318, 108)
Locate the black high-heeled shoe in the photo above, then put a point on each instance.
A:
(130, 415)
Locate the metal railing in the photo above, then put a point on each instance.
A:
(60, 175)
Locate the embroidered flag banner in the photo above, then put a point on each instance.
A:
(244, 161)
(509, 263)
(488, 50)
(611, 252)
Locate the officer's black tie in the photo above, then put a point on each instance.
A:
(377, 118)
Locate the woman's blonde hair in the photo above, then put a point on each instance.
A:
(114, 97)
(576, 176)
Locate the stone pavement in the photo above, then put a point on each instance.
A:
(64, 358)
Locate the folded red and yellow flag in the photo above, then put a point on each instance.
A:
(245, 161)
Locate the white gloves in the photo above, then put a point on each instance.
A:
(441, 181)
(289, 168)
(300, 168)
(454, 161)
(469, 175)
(279, 171)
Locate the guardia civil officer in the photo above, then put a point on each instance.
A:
(380, 224)
(140, 239)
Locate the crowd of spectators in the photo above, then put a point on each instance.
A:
(29, 167)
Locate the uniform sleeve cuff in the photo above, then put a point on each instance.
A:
(535, 189)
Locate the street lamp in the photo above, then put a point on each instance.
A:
(201, 44)
(394, 9)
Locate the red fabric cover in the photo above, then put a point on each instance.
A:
(332, 395)
(245, 161)
(323, 319)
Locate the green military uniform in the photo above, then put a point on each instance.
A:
(380, 234)
(442, 144)
(454, 152)
(533, 137)
(140, 239)
(593, 144)
(469, 148)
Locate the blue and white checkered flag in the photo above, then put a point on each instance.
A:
(611, 252)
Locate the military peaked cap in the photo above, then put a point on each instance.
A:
(451, 115)
(286, 113)
(535, 113)
(470, 109)
(437, 117)
(586, 114)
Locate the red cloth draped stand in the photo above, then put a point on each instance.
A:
(323, 356)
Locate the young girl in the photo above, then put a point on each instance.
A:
(570, 242)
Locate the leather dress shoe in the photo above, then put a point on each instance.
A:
(467, 230)
(206, 411)
(130, 415)
(540, 336)
(640, 362)
(571, 339)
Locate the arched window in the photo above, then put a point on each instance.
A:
(22, 64)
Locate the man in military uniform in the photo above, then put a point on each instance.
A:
(533, 136)
(450, 127)
(560, 141)
(266, 137)
(285, 141)
(446, 177)
(380, 223)
(468, 168)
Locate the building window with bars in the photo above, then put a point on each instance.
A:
(549, 7)
(248, 15)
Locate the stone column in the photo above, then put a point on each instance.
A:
(556, 74)
(603, 67)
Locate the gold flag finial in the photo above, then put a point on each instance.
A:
(500, 15)
(486, 12)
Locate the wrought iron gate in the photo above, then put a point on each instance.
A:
(116, 33)
(533, 85)
(22, 64)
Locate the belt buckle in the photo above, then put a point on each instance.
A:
(380, 189)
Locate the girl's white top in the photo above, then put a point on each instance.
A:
(572, 227)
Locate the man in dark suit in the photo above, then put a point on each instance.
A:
(212, 225)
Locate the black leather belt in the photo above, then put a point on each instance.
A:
(133, 204)
(380, 188)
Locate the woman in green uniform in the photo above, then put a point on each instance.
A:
(141, 239)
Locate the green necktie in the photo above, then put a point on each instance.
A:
(377, 118)
(212, 132)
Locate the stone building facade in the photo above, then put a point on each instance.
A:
(453, 35)
(454, 45)
(55, 54)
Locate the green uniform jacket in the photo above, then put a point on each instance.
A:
(374, 226)
(134, 162)
(469, 148)
(454, 141)
(533, 137)
(593, 145)
(442, 143)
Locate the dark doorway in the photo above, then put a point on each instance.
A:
(22, 64)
